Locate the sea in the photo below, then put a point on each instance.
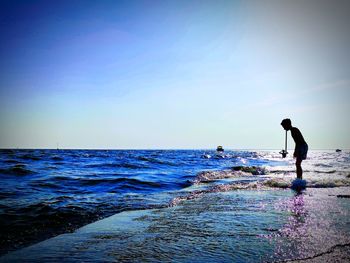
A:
(44, 193)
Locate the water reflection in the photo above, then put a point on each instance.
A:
(298, 220)
(317, 222)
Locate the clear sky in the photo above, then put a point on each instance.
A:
(173, 74)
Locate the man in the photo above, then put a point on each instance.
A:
(301, 146)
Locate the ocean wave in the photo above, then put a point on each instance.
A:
(209, 176)
(156, 161)
(7, 194)
(19, 169)
(328, 183)
(254, 170)
(323, 165)
(7, 151)
(44, 184)
(12, 161)
(31, 157)
(95, 180)
(215, 189)
(126, 182)
(280, 183)
(116, 165)
(51, 167)
(325, 172)
(60, 178)
(265, 185)
(236, 171)
(277, 183)
(57, 158)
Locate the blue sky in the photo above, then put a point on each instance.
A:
(173, 74)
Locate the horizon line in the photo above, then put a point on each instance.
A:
(165, 149)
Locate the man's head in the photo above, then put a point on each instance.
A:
(286, 124)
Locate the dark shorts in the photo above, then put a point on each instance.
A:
(301, 152)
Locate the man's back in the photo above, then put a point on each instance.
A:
(297, 136)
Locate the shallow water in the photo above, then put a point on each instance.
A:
(318, 221)
(237, 226)
(47, 192)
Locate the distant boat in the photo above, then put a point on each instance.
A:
(219, 149)
(338, 150)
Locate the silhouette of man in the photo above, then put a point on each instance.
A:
(301, 146)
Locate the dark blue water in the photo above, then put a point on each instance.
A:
(48, 192)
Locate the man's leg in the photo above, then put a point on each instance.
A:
(299, 170)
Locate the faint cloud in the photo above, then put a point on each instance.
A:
(339, 84)
(278, 98)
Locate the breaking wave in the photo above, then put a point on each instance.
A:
(236, 171)
(261, 181)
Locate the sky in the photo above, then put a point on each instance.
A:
(173, 74)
